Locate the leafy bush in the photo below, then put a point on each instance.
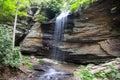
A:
(75, 4)
(83, 73)
(48, 8)
(40, 61)
(113, 75)
(41, 18)
(8, 56)
(27, 63)
(8, 9)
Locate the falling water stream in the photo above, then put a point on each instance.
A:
(61, 22)
(52, 74)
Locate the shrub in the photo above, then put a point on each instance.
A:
(8, 56)
(40, 61)
(8, 9)
(41, 18)
(83, 73)
(27, 63)
(83, 3)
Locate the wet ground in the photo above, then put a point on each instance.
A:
(53, 70)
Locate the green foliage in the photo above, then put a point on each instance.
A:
(1, 79)
(41, 18)
(74, 6)
(54, 8)
(49, 8)
(27, 63)
(8, 9)
(55, 5)
(101, 75)
(77, 3)
(8, 56)
(84, 74)
(114, 74)
(40, 61)
(60, 5)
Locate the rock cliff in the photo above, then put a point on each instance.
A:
(91, 35)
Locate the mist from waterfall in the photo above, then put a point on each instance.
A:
(60, 23)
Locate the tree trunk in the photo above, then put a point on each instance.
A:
(15, 23)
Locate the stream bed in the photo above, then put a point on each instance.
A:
(53, 74)
(52, 70)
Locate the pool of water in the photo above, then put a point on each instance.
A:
(52, 74)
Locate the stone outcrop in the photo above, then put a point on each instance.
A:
(33, 41)
(95, 35)
(90, 36)
(24, 24)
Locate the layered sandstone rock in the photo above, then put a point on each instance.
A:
(33, 41)
(90, 36)
(95, 35)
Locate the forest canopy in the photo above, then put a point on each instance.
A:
(8, 7)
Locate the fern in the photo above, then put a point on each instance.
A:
(8, 56)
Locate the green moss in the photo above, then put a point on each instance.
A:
(40, 61)
(27, 63)
(1, 79)
(84, 73)
(41, 18)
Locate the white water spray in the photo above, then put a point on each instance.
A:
(60, 24)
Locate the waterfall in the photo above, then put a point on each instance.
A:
(53, 74)
(60, 24)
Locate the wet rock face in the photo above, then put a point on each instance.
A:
(33, 41)
(24, 24)
(95, 34)
(90, 34)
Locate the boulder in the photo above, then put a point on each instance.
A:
(111, 47)
(33, 41)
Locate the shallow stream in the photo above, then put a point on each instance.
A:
(54, 71)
